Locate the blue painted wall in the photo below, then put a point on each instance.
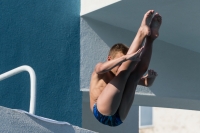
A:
(44, 34)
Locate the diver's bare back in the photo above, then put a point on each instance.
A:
(97, 84)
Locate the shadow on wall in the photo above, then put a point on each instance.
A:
(96, 40)
(110, 34)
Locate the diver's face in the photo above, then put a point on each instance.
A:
(117, 55)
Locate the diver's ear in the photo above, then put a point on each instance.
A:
(108, 58)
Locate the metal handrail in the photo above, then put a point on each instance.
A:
(32, 82)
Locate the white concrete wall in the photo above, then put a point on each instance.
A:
(167, 120)
(88, 6)
(19, 121)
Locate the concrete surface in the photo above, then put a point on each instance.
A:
(19, 121)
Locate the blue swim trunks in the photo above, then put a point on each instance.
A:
(112, 121)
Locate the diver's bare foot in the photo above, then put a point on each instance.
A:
(144, 28)
(155, 25)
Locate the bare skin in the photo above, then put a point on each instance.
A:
(135, 77)
(109, 82)
(105, 72)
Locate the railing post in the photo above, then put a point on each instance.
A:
(32, 83)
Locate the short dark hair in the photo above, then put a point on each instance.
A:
(119, 47)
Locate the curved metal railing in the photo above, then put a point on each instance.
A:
(32, 83)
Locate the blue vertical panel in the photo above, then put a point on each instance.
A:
(44, 34)
(146, 116)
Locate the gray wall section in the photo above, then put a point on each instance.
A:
(44, 35)
(96, 40)
(177, 84)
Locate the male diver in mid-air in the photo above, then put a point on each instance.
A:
(113, 83)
